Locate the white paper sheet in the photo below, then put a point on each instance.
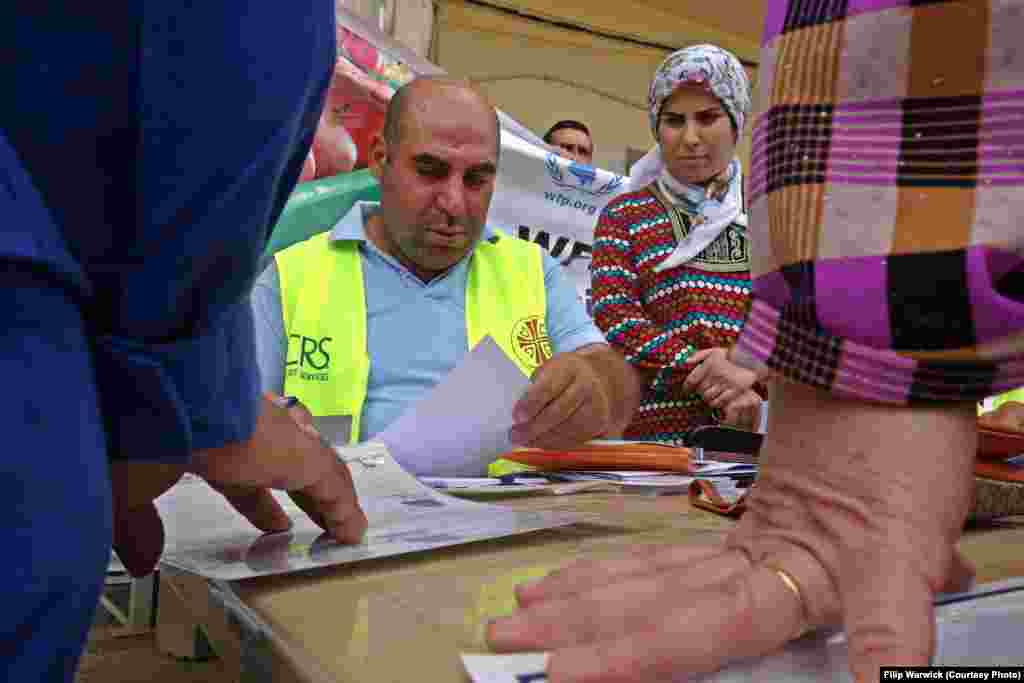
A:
(205, 536)
(462, 424)
(521, 668)
(524, 486)
(451, 483)
(981, 631)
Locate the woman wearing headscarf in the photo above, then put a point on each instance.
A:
(888, 266)
(671, 261)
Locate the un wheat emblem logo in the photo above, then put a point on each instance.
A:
(554, 170)
(585, 176)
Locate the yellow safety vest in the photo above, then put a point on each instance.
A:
(324, 305)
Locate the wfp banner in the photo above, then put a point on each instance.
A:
(539, 196)
(553, 201)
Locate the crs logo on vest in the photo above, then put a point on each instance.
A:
(531, 342)
(308, 357)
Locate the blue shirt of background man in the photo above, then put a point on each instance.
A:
(416, 331)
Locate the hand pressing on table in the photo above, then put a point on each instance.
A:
(843, 529)
(284, 452)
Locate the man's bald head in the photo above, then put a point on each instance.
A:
(412, 99)
(437, 163)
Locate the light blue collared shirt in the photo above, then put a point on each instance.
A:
(416, 331)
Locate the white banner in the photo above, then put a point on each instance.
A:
(553, 201)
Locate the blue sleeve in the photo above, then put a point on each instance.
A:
(164, 140)
(271, 341)
(569, 325)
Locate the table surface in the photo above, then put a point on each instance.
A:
(409, 618)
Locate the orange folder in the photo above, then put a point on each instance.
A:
(606, 456)
(995, 445)
(999, 443)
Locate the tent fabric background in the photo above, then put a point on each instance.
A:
(315, 207)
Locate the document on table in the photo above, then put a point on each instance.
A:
(205, 536)
(979, 628)
(488, 487)
(656, 481)
(522, 668)
(462, 425)
(713, 468)
(636, 480)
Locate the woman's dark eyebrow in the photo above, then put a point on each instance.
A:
(710, 110)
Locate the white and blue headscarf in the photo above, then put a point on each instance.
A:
(718, 204)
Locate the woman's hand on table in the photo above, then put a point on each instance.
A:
(853, 522)
(718, 380)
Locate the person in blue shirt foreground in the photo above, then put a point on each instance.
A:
(420, 251)
(145, 158)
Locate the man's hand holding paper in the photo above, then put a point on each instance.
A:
(571, 400)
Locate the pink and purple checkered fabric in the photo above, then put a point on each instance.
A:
(887, 198)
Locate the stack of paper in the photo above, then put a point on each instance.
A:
(725, 475)
(509, 485)
(636, 480)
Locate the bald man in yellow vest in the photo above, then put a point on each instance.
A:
(365, 319)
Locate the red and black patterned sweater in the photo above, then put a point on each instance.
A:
(658, 320)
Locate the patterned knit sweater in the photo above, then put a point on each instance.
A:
(658, 320)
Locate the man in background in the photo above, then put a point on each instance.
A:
(573, 140)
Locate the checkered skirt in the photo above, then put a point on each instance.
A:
(887, 198)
